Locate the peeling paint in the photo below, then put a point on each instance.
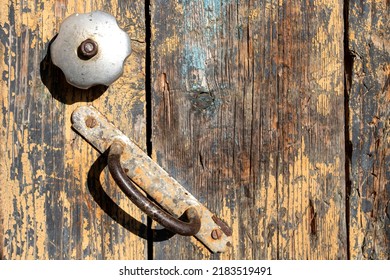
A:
(275, 142)
(47, 209)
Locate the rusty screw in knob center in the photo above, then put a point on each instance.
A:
(87, 49)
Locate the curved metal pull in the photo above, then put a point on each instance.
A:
(149, 207)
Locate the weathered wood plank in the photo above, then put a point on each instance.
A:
(369, 128)
(48, 211)
(248, 114)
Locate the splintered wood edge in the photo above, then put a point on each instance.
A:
(101, 133)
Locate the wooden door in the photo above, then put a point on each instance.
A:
(274, 114)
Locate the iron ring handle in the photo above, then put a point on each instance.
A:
(146, 205)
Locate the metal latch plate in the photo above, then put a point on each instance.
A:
(149, 176)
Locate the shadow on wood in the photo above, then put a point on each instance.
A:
(54, 79)
(114, 211)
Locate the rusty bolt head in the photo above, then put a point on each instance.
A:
(87, 49)
(216, 234)
(90, 122)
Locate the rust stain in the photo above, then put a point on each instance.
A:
(224, 227)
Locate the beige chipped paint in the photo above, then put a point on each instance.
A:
(23, 196)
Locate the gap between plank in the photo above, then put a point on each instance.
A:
(148, 100)
(348, 68)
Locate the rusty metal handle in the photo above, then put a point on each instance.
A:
(146, 205)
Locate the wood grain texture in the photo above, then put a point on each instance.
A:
(369, 129)
(248, 114)
(53, 204)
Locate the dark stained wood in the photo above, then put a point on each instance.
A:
(248, 114)
(369, 129)
(52, 203)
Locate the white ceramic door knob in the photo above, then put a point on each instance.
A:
(90, 49)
